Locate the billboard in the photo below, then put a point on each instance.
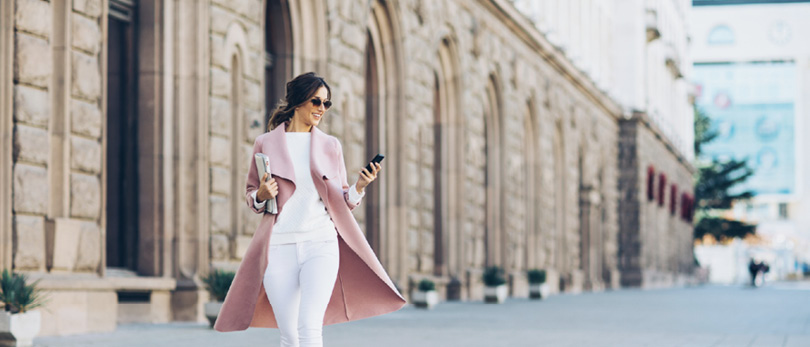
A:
(751, 106)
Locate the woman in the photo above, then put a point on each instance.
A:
(310, 264)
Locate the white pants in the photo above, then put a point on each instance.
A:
(298, 282)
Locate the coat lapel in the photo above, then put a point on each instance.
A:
(276, 149)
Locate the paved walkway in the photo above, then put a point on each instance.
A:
(776, 315)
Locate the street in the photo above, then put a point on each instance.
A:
(775, 315)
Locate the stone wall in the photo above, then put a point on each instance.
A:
(57, 136)
(487, 53)
(656, 244)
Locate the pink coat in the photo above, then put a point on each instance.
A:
(362, 288)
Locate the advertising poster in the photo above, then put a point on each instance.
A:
(751, 106)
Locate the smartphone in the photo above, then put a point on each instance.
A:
(378, 158)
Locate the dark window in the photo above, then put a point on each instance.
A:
(662, 184)
(673, 199)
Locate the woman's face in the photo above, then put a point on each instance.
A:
(308, 113)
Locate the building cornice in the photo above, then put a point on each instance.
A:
(525, 30)
(644, 119)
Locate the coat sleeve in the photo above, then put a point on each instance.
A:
(253, 179)
(343, 181)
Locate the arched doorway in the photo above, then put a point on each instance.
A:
(447, 161)
(532, 220)
(278, 53)
(383, 76)
(372, 141)
(122, 215)
(492, 143)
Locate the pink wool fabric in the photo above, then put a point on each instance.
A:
(362, 290)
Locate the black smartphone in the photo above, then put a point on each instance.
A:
(378, 158)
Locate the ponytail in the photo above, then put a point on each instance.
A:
(282, 114)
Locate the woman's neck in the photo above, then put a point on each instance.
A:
(298, 127)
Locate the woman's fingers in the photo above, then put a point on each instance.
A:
(264, 177)
(368, 176)
(274, 187)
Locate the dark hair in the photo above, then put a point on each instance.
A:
(299, 90)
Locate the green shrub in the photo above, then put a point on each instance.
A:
(537, 276)
(16, 295)
(218, 283)
(426, 285)
(494, 276)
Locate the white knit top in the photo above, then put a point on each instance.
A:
(304, 217)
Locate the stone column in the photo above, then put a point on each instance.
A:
(31, 189)
(152, 109)
(629, 238)
(6, 123)
(190, 248)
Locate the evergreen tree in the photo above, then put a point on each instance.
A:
(714, 187)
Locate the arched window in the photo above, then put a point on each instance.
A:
(721, 35)
(650, 183)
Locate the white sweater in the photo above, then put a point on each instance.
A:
(304, 217)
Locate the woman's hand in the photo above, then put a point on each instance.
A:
(367, 177)
(267, 190)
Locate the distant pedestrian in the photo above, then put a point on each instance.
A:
(753, 269)
(310, 264)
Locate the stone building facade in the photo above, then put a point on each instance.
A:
(127, 126)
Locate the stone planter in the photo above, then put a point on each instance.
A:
(19, 329)
(495, 295)
(535, 292)
(212, 311)
(426, 300)
(539, 290)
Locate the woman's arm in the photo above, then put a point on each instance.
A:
(253, 181)
(350, 194)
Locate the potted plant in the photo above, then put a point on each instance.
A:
(19, 323)
(426, 295)
(537, 278)
(495, 282)
(217, 283)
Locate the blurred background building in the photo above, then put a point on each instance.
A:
(525, 134)
(752, 78)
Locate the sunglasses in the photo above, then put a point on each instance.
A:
(317, 103)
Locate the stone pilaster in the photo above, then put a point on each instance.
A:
(6, 130)
(235, 119)
(31, 188)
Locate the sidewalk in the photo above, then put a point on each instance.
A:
(776, 315)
